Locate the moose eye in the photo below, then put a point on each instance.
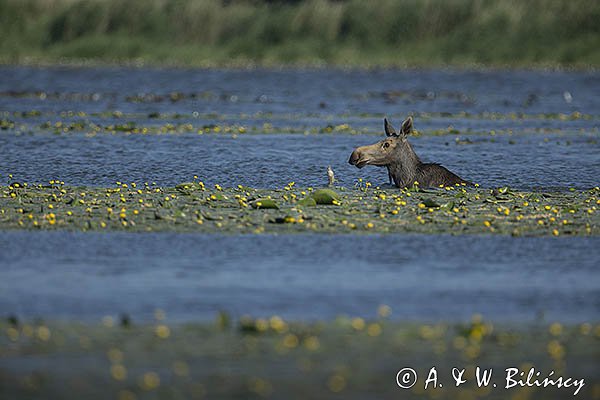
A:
(386, 145)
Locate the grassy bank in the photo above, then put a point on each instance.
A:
(272, 358)
(194, 207)
(353, 32)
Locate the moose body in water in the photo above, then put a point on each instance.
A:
(404, 166)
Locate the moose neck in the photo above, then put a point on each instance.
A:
(405, 165)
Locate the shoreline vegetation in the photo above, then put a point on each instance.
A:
(316, 33)
(363, 209)
(274, 358)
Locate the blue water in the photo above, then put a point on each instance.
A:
(541, 153)
(318, 92)
(192, 277)
(273, 161)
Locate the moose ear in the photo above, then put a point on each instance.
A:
(389, 129)
(407, 126)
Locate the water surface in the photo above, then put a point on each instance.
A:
(89, 275)
(547, 139)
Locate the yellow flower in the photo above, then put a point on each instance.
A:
(384, 310)
(277, 324)
(150, 381)
(118, 372)
(555, 329)
(374, 329)
(43, 333)
(311, 343)
(336, 383)
(162, 331)
(290, 341)
(358, 323)
(556, 350)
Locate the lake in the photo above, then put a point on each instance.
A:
(524, 129)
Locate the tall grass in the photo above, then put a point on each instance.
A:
(352, 32)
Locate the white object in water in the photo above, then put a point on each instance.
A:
(330, 175)
(567, 96)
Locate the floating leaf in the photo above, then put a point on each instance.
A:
(264, 203)
(325, 196)
(429, 203)
(307, 202)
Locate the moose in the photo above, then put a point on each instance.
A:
(404, 166)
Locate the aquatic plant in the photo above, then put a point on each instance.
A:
(352, 356)
(192, 206)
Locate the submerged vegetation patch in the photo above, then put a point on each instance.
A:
(154, 123)
(271, 356)
(192, 206)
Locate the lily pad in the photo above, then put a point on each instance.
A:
(430, 203)
(264, 203)
(307, 202)
(325, 196)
